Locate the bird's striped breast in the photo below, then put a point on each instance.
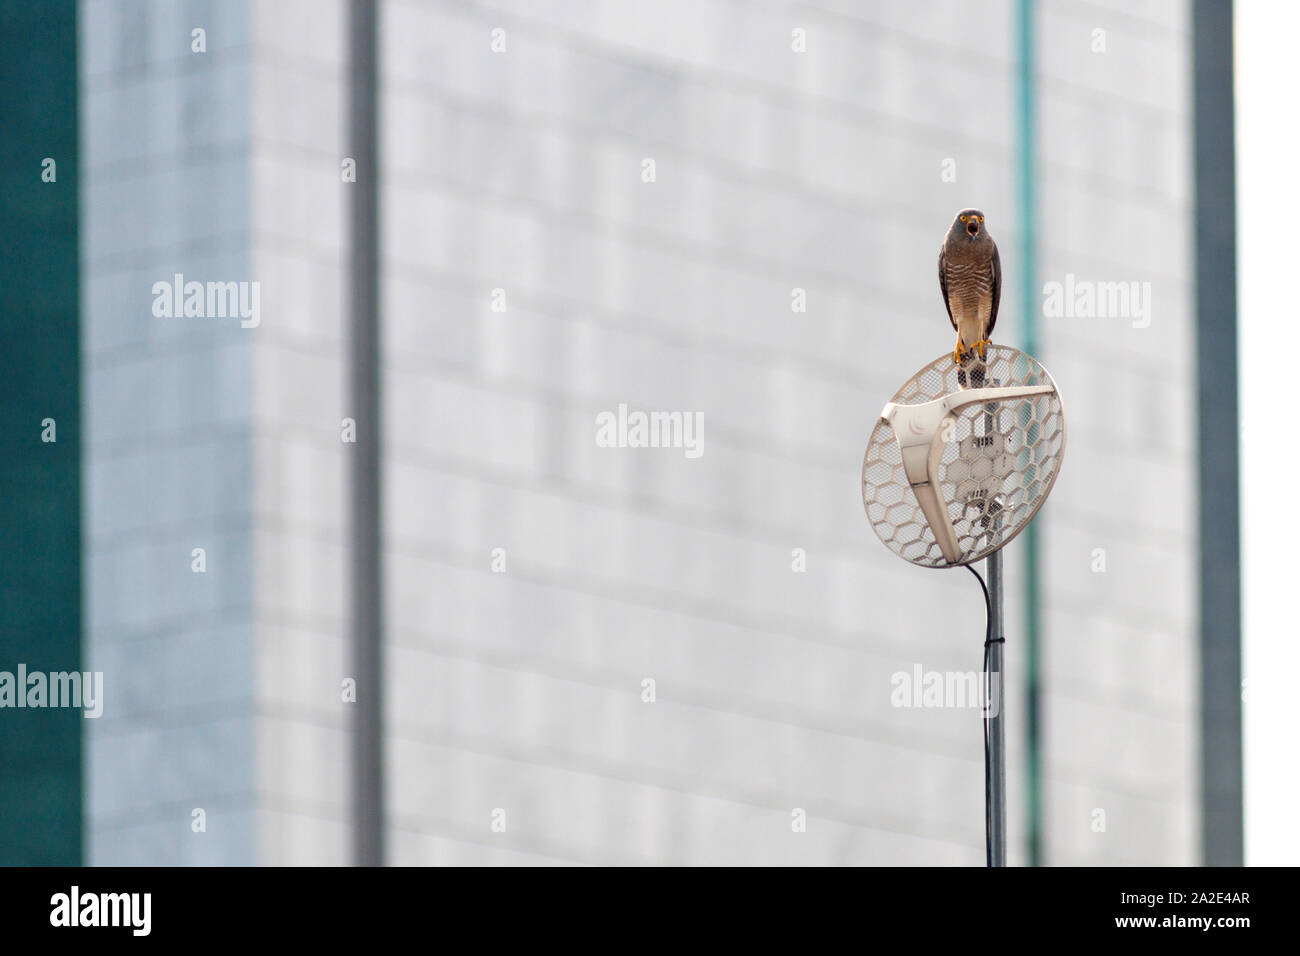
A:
(980, 276)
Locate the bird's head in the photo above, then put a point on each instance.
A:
(968, 223)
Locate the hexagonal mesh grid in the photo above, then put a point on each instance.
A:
(1000, 460)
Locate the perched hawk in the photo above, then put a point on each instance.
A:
(970, 277)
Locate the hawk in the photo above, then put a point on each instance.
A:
(970, 278)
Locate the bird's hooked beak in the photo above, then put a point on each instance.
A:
(973, 227)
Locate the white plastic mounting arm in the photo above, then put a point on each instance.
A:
(918, 431)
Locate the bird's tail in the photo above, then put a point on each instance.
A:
(970, 374)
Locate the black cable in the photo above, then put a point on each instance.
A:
(988, 689)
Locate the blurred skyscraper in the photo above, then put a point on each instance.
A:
(624, 655)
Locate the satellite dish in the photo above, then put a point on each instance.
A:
(963, 457)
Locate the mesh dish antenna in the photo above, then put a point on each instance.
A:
(963, 457)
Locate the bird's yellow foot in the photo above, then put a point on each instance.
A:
(959, 353)
(982, 346)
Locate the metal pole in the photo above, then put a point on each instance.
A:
(997, 808)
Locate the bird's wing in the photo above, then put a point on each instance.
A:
(943, 285)
(997, 292)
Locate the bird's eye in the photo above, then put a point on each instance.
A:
(963, 218)
(981, 218)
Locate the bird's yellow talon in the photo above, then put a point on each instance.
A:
(959, 353)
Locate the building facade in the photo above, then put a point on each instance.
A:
(618, 654)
